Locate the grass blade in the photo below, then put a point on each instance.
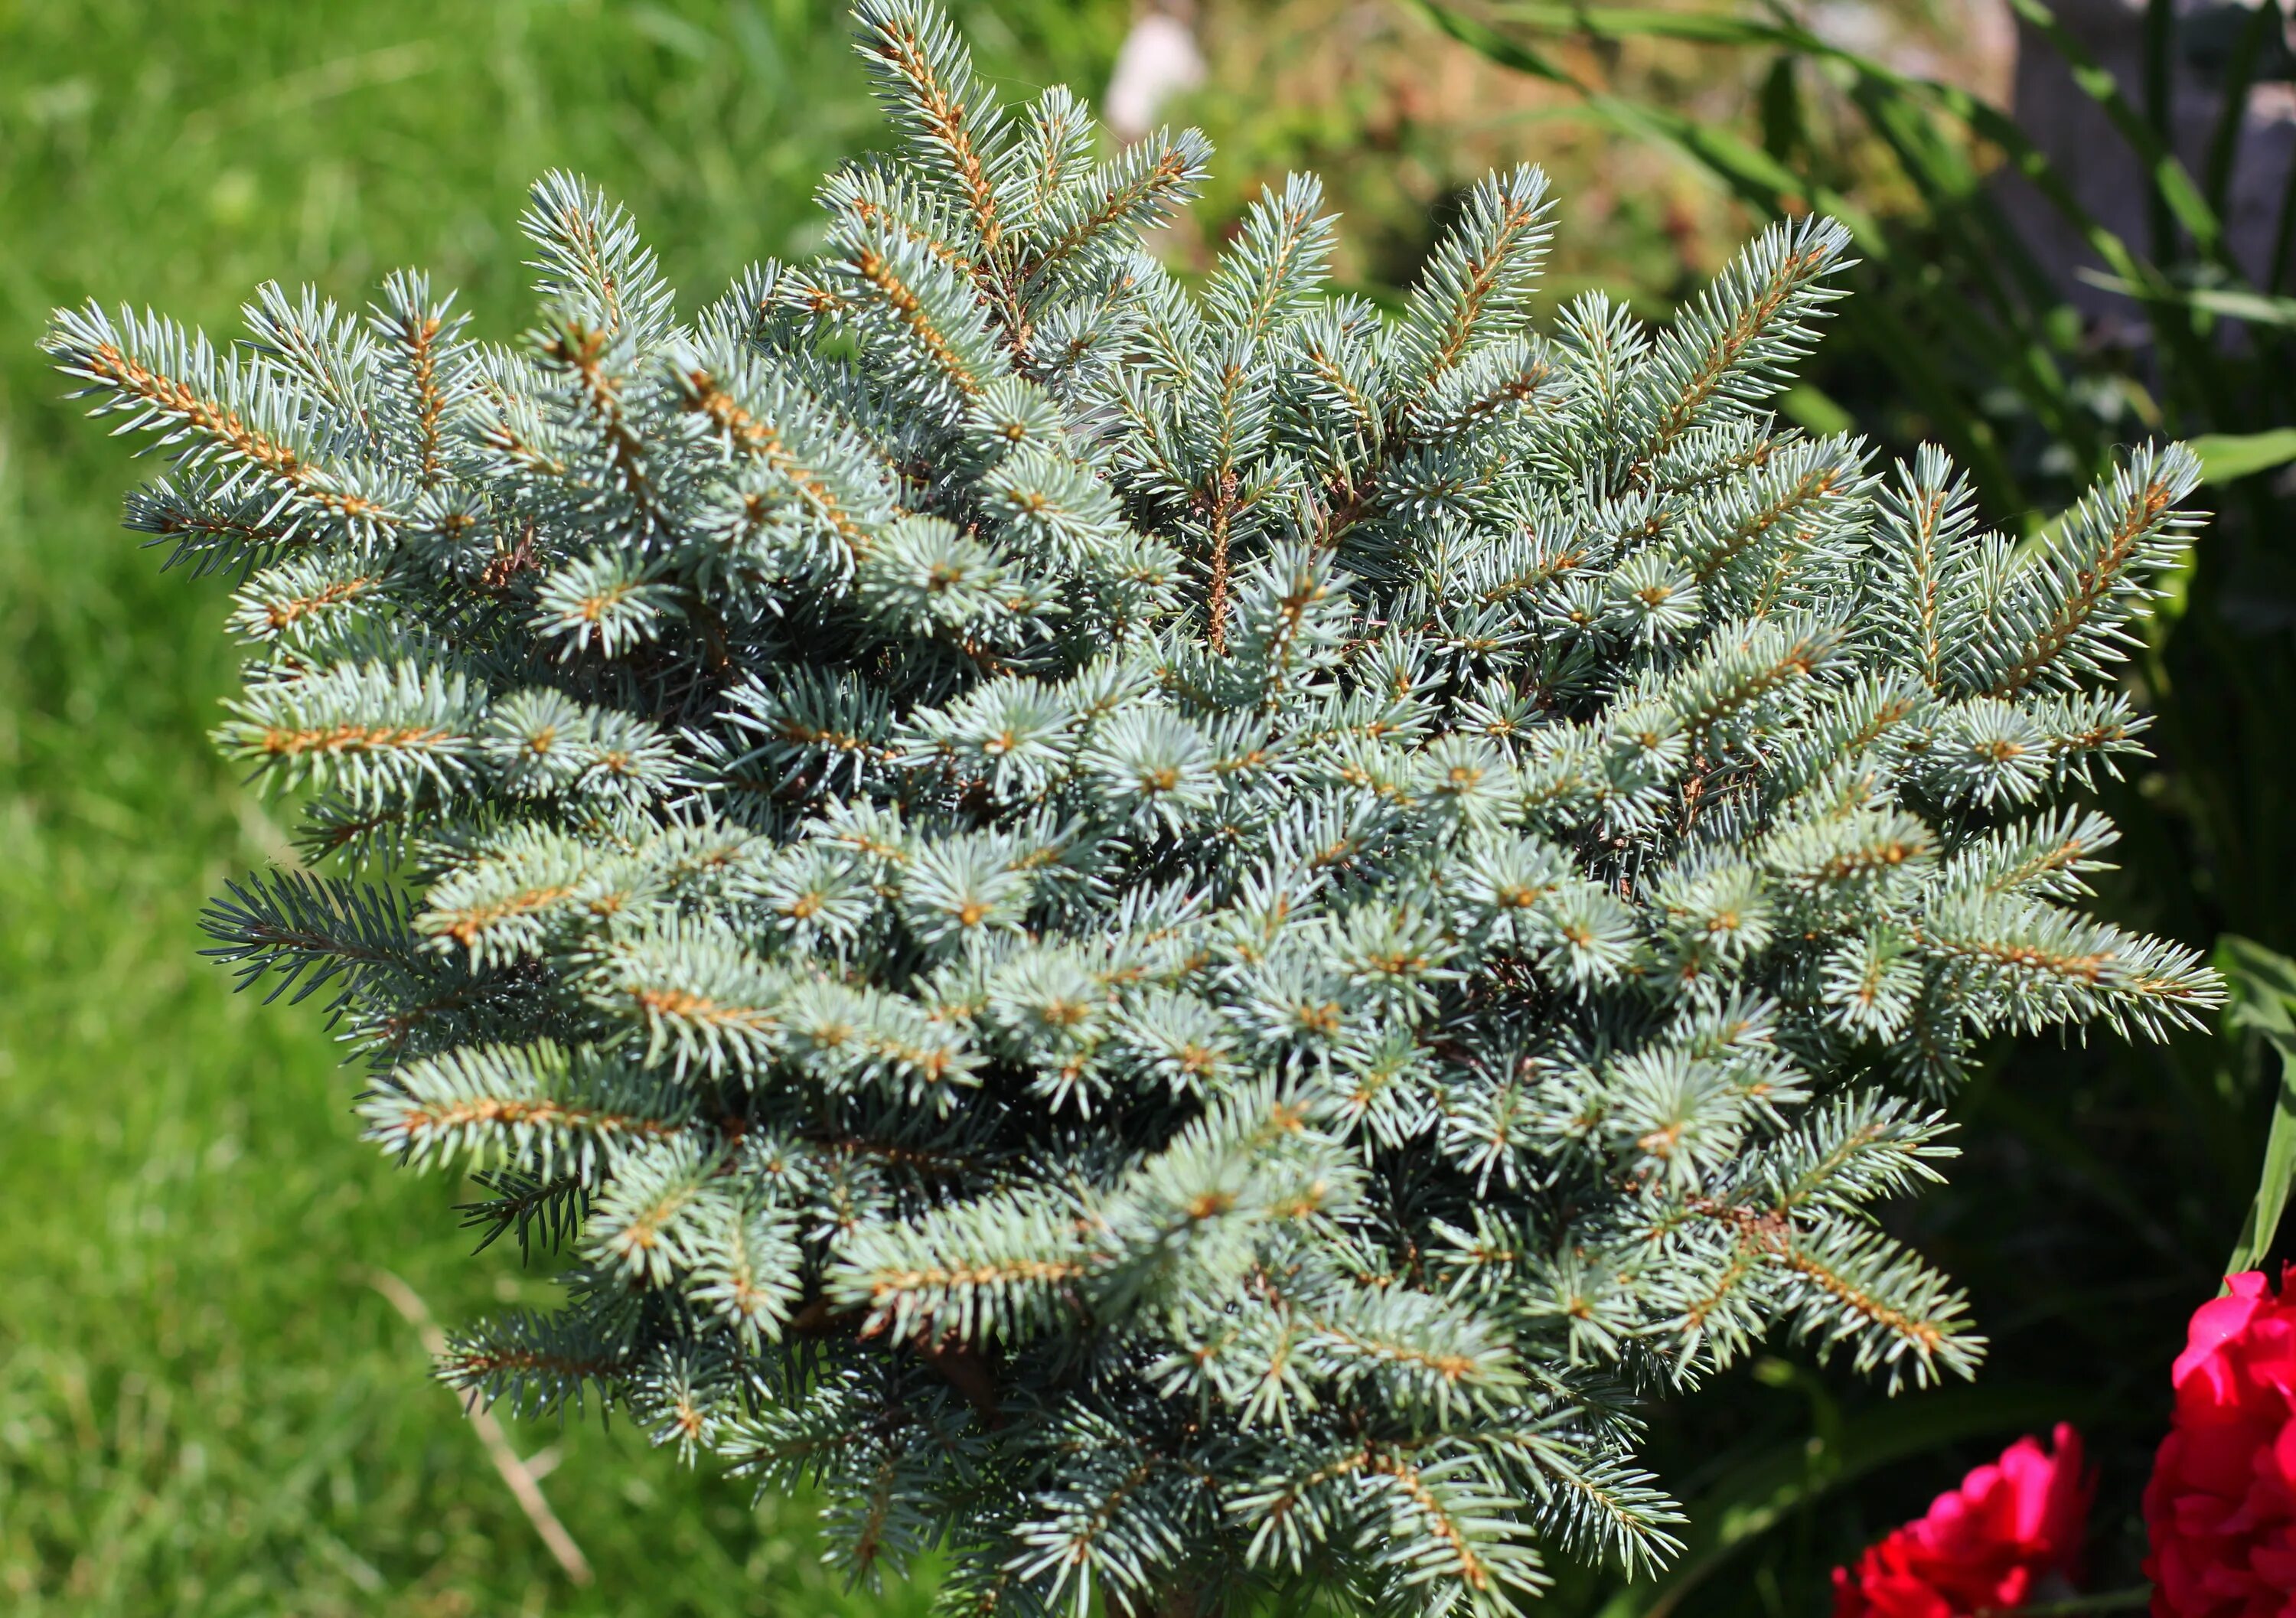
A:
(2264, 986)
(2227, 457)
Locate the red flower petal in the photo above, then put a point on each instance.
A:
(1982, 1548)
(2220, 1508)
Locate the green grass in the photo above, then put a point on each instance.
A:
(205, 1406)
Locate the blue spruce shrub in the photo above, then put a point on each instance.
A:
(1175, 939)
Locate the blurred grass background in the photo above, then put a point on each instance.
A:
(207, 1406)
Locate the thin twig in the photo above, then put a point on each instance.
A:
(524, 1486)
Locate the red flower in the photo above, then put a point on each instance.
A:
(1986, 1547)
(2221, 1506)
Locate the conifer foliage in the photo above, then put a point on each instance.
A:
(1174, 937)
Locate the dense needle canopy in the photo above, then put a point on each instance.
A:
(1174, 937)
